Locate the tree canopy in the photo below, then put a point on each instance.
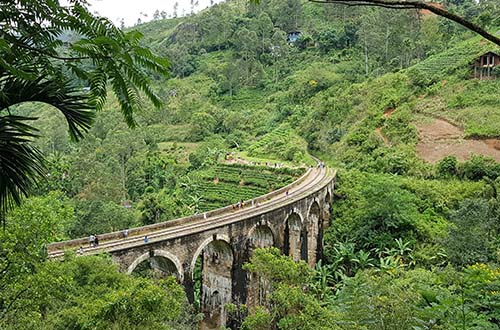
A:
(415, 4)
(409, 4)
(63, 56)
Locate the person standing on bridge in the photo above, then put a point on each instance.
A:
(96, 240)
(91, 240)
(125, 233)
(146, 239)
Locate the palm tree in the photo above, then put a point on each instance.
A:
(40, 62)
(21, 164)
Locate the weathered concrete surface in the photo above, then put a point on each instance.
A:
(216, 283)
(293, 222)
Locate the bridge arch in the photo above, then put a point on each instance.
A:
(171, 260)
(315, 232)
(328, 197)
(326, 209)
(261, 236)
(216, 259)
(203, 245)
(295, 238)
(314, 213)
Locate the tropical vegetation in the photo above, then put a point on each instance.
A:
(411, 244)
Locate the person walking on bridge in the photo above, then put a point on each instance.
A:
(91, 240)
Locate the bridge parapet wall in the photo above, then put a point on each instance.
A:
(144, 230)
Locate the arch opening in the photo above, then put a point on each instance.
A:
(156, 267)
(156, 264)
(212, 274)
(326, 211)
(260, 237)
(295, 240)
(315, 229)
(328, 198)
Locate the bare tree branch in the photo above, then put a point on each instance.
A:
(414, 4)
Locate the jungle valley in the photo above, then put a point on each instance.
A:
(394, 100)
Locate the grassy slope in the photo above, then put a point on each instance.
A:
(346, 119)
(469, 103)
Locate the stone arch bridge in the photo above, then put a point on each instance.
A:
(219, 242)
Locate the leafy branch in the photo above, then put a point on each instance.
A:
(35, 61)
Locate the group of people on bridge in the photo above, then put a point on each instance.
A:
(93, 240)
(241, 204)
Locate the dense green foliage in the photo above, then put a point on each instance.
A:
(49, 52)
(79, 293)
(411, 245)
(89, 293)
(380, 297)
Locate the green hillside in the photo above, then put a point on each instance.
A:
(413, 242)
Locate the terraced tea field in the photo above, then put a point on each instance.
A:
(227, 184)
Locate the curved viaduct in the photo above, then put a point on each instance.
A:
(292, 219)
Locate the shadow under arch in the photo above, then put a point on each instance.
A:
(203, 245)
(260, 236)
(328, 198)
(325, 216)
(214, 275)
(295, 238)
(172, 263)
(257, 288)
(315, 232)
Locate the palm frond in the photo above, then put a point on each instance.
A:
(20, 163)
(73, 104)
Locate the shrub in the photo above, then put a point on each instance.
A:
(479, 167)
(447, 167)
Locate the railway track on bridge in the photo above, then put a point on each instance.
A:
(313, 180)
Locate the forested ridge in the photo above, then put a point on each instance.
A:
(411, 245)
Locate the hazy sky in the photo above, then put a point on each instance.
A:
(130, 10)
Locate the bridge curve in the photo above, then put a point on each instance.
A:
(223, 240)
